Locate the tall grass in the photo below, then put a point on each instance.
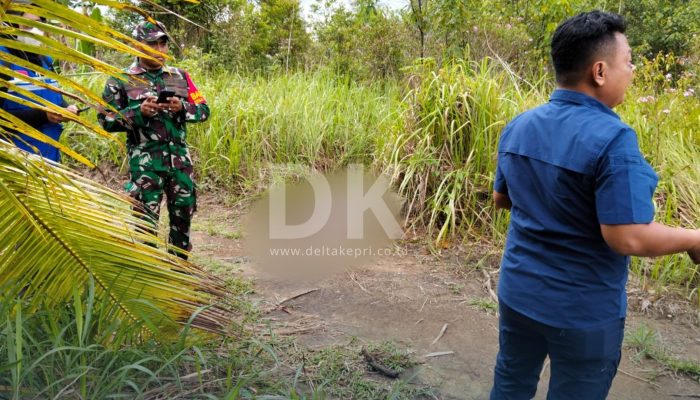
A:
(68, 352)
(435, 134)
(315, 120)
(444, 160)
(665, 112)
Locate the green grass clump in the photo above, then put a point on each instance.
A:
(342, 372)
(70, 352)
(444, 159)
(484, 304)
(646, 342)
(665, 113)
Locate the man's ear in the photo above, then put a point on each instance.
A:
(598, 72)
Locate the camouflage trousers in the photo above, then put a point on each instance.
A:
(148, 187)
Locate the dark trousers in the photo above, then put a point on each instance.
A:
(583, 361)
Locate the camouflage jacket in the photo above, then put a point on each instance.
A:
(155, 143)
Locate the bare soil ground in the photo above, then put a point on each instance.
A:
(411, 299)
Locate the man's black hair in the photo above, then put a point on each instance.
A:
(578, 39)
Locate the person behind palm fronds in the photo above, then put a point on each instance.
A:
(158, 155)
(46, 122)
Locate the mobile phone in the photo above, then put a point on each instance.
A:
(163, 96)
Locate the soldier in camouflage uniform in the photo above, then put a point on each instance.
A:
(159, 160)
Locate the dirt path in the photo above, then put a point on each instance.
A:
(409, 300)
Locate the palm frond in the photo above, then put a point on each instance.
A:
(11, 124)
(58, 229)
(83, 28)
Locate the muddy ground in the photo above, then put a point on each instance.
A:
(410, 299)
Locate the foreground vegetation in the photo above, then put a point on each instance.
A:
(75, 352)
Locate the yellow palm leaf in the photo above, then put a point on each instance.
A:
(61, 80)
(95, 29)
(59, 230)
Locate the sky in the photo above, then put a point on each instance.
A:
(391, 4)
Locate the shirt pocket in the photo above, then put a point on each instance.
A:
(177, 85)
(139, 91)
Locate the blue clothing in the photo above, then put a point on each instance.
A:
(569, 166)
(36, 119)
(584, 361)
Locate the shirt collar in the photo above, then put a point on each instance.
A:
(572, 96)
(136, 69)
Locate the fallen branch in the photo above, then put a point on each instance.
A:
(386, 371)
(296, 296)
(439, 353)
(639, 378)
(442, 332)
(487, 284)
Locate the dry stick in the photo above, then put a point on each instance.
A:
(421, 307)
(296, 296)
(191, 377)
(439, 353)
(488, 286)
(692, 396)
(442, 332)
(639, 379)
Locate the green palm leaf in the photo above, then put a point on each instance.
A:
(59, 231)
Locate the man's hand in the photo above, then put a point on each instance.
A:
(174, 105)
(502, 200)
(149, 107)
(58, 118)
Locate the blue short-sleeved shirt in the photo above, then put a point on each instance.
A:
(569, 166)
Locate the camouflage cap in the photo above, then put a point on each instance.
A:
(148, 31)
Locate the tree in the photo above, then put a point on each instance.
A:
(420, 18)
(662, 27)
(365, 42)
(284, 30)
(190, 23)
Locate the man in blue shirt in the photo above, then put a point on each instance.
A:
(581, 200)
(46, 122)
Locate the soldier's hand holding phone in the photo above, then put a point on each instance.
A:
(169, 102)
(149, 107)
(173, 104)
